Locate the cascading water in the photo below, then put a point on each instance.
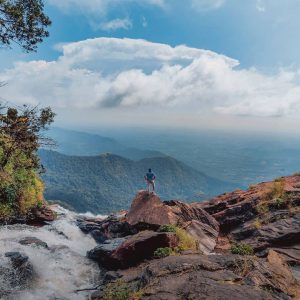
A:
(59, 270)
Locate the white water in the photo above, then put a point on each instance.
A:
(62, 269)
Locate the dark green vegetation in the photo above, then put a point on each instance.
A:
(20, 137)
(242, 249)
(23, 22)
(167, 228)
(163, 252)
(107, 182)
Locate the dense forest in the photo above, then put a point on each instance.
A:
(108, 182)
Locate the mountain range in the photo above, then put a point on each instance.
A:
(72, 142)
(107, 182)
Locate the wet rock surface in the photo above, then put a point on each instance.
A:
(19, 275)
(33, 241)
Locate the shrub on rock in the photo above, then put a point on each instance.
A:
(242, 249)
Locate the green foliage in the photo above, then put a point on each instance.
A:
(167, 228)
(186, 241)
(107, 183)
(262, 208)
(23, 22)
(120, 290)
(274, 193)
(279, 202)
(163, 252)
(242, 249)
(20, 186)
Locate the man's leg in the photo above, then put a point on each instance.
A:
(153, 186)
(148, 186)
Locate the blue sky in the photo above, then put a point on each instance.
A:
(254, 44)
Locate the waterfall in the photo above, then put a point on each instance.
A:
(59, 270)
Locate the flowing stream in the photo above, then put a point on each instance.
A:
(59, 270)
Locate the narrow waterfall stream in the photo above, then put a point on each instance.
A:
(59, 270)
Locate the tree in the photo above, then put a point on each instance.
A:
(21, 135)
(23, 22)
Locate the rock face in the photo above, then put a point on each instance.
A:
(267, 216)
(126, 252)
(204, 234)
(148, 211)
(204, 277)
(106, 229)
(40, 216)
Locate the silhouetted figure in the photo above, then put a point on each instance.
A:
(150, 179)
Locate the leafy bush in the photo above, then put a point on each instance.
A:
(167, 228)
(163, 252)
(242, 249)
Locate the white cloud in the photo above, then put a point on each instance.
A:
(125, 73)
(260, 6)
(207, 4)
(144, 22)
(115, 24)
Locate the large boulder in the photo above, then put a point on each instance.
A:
(40, 216)
(147, 210)
(126, 252)
(105, 229)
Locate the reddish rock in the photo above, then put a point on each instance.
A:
(205, 235)
(204, 277)
(147, 209)
(40, 216)
(187, 212)
(285, 280)
(129, 251)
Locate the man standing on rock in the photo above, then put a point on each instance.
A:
(150, 178)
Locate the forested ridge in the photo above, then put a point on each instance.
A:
(107, 182)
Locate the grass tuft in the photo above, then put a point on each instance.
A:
(242, 249)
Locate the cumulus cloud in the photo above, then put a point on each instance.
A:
(125, 73)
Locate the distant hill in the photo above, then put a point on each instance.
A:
(107, 182)
(72, 142)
